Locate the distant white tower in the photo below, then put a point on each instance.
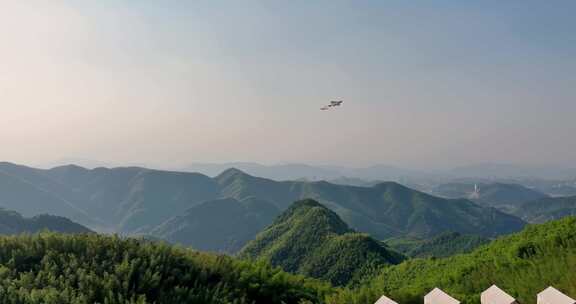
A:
(476, 193)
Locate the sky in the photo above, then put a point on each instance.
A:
(165, 83)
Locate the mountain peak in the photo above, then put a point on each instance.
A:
(231, 172)
(310, 239)
(313, 214)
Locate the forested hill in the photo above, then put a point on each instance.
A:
(65, 269)
(11, 222)
(51, 268)
(310, 239)
(522, 264)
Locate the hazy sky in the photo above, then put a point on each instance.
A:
(425, 83)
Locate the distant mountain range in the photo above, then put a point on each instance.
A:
(506, 197)
(384, 210)
(284, 172)
(312, 240)
(489, 171)
(547, 209)
(191, 208)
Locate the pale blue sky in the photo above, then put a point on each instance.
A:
(426, 83)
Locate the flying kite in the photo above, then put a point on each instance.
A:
(333, 104)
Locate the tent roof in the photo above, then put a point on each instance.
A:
(440, 297)
(385, 300)
(495, 295)
(552, 295)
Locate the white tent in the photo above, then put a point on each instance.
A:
(495, 295)
(438, 296)
(551, 295)
(385, 300)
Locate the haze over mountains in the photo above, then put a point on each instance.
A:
(505, 197)
(292, 171)
(192, 208)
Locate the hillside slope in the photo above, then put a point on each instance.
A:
(522, 264)
(66, 269)
(310, 239)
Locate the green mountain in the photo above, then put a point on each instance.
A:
(11, 222)
(444, 245)
(127, 200)
(135, 199)
(506, 197)
(219, 225)
(547, 209)
(522, 264)
(67, 269)
(383, 211)
(310, 239)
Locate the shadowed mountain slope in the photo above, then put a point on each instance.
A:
(11, 222)
(219, 225)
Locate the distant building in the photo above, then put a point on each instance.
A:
(438, 296)
(495, 295)
(385, 300)
(551, 295)
(476, 193)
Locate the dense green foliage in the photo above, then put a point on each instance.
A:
(547, 209)
(60, 269)
(310, 239)
(522, 264)
(11, 222)
(444, 245)
(226, 224)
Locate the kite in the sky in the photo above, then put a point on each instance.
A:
(333, 104)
